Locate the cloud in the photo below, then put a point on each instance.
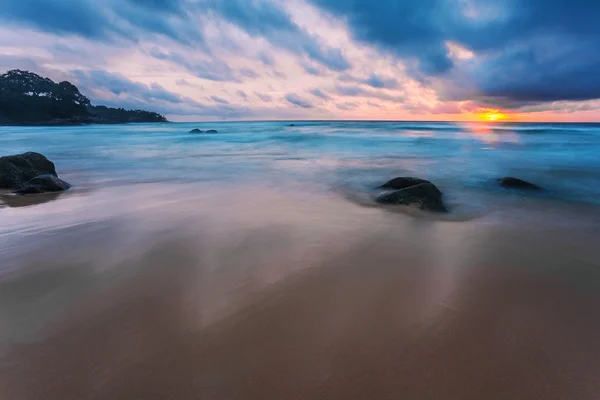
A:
(375, 105)
(242, 94)
(115, 90)
(249, 73)
(266, 19)
(213, 70)
(61, 17)
(413, 29)
(379, 82)
(171, 6)
(106, 21)
(267, 59)
(310, 69)
(523, 51)
(264, 97)
(346, 106)
(373, 80)
(219, 100)
(357, 91)
(118, 85)
(183, 82)
(319, 93)
(298, 101)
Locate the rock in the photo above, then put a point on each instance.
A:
(211, 131)
(43, 184)
(291, 125)
(422, 193)
(514, 183)
(402, 183)
(18, 169)
(196, 131)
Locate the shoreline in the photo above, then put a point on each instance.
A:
(305, 296)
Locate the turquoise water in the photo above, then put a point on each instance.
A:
(460, 158)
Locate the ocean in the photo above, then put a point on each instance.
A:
(458, 157)
(253, 263)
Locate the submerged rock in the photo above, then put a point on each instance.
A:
(402, 183)
(413, 191)
(19, 169)
(514, 183)
(291, 125)
(211, 131)
(196, 131)
(43, 184)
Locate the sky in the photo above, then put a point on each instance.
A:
(192, 60)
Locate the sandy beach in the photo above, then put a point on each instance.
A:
(272, 296)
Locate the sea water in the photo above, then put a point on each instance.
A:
(563, 158)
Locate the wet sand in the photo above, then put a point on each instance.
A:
(305, 298)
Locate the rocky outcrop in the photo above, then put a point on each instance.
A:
(403, 183)
(413, 192)
(30, 173)
(19, 169)
(29, 99)
(196, 130)
(211, 131)
(43, 184)
(515, 183)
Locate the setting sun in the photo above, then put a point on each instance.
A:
(492, 116)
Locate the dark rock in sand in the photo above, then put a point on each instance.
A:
(43, 184)
(514, 183)
(196, 131)
(211, 131)
(19, 169)
(422, 193)
(403, 183)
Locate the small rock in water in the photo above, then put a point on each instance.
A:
(291, 125)
(18, 169)
(211, 131)
(43, 184)
(514, 183)
(413, 191)
(196, 131)
(403, 183)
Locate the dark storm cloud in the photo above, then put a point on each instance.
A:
(59, 16)
(106, 21)
(174, 6)
(298, 101)
(526, 50)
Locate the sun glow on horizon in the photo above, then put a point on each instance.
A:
(493, 116)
